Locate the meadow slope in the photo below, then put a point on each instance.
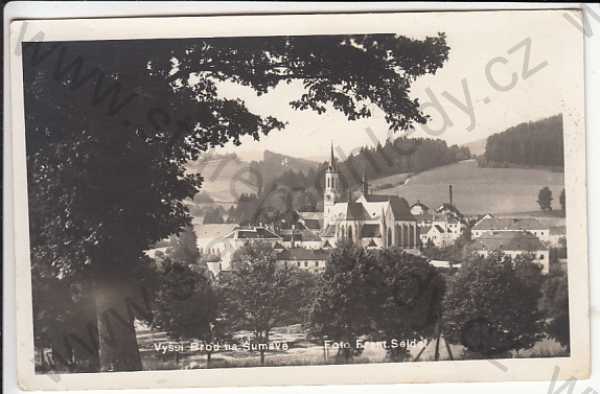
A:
(479, 190)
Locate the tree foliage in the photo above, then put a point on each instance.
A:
(555, 303)
(213, 215)
(383, 295)
(491, 304)
(342, 308)
(409, 294)
(257, 294)
(545, 199)
(185, 303)
(529, 144)
(183, 247)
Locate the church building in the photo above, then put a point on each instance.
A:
(370, 220)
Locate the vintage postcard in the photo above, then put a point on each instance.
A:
(299, 199)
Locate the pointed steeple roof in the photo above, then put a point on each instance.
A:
(332, 159)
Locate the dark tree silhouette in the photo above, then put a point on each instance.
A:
(185, 304)
(409, 294)
(529, 144)
(257, 295)
(491, 306)
(562, 200)
(545, 199)
(555, 302)
(344, 301)
(111, 124)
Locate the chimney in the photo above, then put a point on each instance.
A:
(450, 194)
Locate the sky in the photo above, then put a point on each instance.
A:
(513, 66)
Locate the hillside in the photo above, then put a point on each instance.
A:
(479, 190)
(226, 176)
(538, 143)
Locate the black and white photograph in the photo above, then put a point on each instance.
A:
(361, 190)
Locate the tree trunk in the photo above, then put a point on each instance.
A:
(118, 348)
(208, 359)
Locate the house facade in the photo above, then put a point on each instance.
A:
(513, 243)
(495, 224)
(311, 260)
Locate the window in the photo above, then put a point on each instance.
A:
(316, 264)
(541, 257)
(306, 263)
(298, 264)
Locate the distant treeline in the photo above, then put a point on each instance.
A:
(538, 143)
(302, 189)
(403, 155)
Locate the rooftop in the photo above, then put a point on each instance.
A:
(516, 224)
(508, 240)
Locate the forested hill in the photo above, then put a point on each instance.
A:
(403, 155)
(538, 143)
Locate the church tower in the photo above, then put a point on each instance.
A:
(332, 188)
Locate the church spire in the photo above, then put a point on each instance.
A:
(365, 183)
(332, 160)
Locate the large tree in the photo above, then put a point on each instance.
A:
(258, 294)
(491, 305)
(409, 295)
(346, 298)
(185, 305)
(545, 199)
(555, 303)
(111, 124)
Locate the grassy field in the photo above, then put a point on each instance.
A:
(479, 190)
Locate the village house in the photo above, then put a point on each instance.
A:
(312, 221)
(443, 226)
(495, 224)
(218, 242)
(312, 260)
(513, 243)
(300, 237)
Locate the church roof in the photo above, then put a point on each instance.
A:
(356, 211)
(370, 231)
(400, 208)
(379, 197)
